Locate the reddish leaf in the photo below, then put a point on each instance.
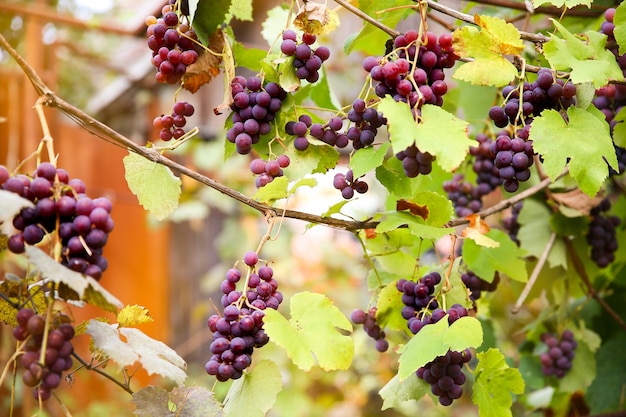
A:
(207, 66)
(413, 208)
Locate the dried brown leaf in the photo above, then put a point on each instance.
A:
(578, 200)
(316, 18)
(414, 208)
(207, 66)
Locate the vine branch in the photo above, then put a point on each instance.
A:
(88, 366)
(580, 269)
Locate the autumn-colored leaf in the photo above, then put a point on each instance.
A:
(477, 231)
(207, 66)
(578, 200)
(316, 18)
(413, 208)
(370, 233)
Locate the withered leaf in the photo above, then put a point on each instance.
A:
(207, 66)
(414, 208)
(316, 18)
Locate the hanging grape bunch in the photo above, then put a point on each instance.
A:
(373, 330)
(347, 184)
(558, 359)
(46, 375)
(254, 107)
(307, 61)
(240, 328)
(83, 224)
(172, 43)
(602, 234)
(171, 126)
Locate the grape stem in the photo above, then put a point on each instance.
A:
(47, 137)
(535, 274)
(124, 385)
(580, 269)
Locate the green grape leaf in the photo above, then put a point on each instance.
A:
(583, 371)
(335, 208)
(254, 394)
(560, 3)
(494, 383)
(449, 149)
(321, 337)
(315, 159)
(396, 392)
(273, 191)
(370, 38)
(287, 77)
(208, 16)
(606, 392)
(322, 94)
(132, 315)
(416, 225)
(506, 258)
(127, 345)
(368, 159)
(619, 131)
(619, 20)
(587, 58)
(436, 339)
(487, 46)
(80, 287)
(534, 235)
(388, 305)
(274, 24)
(248, 57)
(240, 9)
(585, 141)
(156, 188)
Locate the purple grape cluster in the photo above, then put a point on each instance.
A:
(601, 235)
(373, 330)
(558, 359)
(487, 174)
(240, 329)
(465, 197)
(513, 158)
(477, 285)
(46, 376)
(416, 297)
(173, 46)
(347, 184)
(544, 93)
(413, 73)
(510, 223)
(445, 375)
(83, 223)
(307, 61)
(268, 170)
(254, 107)
(415, 162)
(365, 124)
(171, 125)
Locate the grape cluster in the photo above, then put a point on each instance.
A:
(43, 376)
(511, 224)
(373, 330)
(413, 73)
(268, 170)
(173, 46)
(254, 107)
(465, 197)
(171, 126)
(487, 174)
(558, 359)
(545, 92)
(417, 296)
(513, 158)
(240, 329)
(415, 162)
(445, 375)
(476, 285)
(347, 184)
(307, 61)
(602, 234)
(83, 223)
(366, 122)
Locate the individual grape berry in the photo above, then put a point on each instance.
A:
(601, 235)
(373, 330)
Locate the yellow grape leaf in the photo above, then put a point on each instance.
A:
(156, 188)
(477, 231)
(487, 46)
(207, 66)
(228, 59)
(133, 315)
(317, 19)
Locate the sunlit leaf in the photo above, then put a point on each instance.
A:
(494, 384)
(255, 392)
(132, 315)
